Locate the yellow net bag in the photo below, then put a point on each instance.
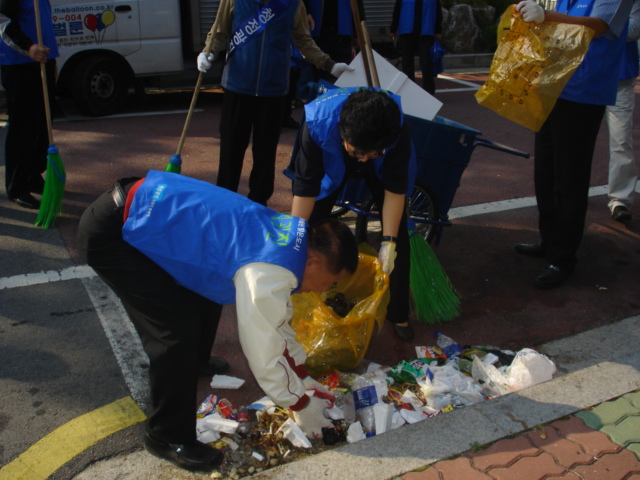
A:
(531, 66)
(335, 342)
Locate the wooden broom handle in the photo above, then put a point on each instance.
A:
(43, 72)
(372, 60)
(194, 99)
(361, 41)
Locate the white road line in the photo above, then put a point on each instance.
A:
(28, 279)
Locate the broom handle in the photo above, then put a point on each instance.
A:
(372, 60)
(43, 73)
(363, 51)
(194, 99)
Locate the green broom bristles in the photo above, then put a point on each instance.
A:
(435, 299)
(55, 178)
(175, 164)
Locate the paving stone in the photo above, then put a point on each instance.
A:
(567, 476)
(592, 442)
(633, 397)
(635, 448)
(607, 413)
(625, 432)
(529, 468)
(567, 453)
(614, 466)
(430, 473)
(460, 468)
(503, 453)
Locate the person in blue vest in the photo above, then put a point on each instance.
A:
(416, 23)
(27, 137)
(623, 173)
(174, 250)
(359, 132)
(333, 29)
(565, 143)
(256, 36)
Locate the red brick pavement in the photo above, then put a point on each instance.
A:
(565, 449)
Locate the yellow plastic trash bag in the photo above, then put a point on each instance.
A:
(531, 66)
(333, 342)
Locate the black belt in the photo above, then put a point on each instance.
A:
(120, 190)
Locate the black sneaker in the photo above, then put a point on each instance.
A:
(194, 456)
(214, 366)
(621, 214)
(552, 277)
(27, 201)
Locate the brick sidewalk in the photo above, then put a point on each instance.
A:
(602, 443)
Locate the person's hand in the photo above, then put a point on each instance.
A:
(39, 53)
(204, 62)
(319, 390)
(387, 256)
(530, 11)
(312, 24)
(339, 68)
(311, 418)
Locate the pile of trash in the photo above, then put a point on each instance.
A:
(439, 379)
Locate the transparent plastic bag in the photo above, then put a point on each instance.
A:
(531, 66)
(339, 343)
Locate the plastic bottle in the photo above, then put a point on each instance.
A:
(244, 422)
(448, 345)
(345, 402)
(364, 398)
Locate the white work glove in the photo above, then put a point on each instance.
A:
(530, 11)
(320, 391)
(387, 256)
(311, 418)
(339, 68)
(204, 62)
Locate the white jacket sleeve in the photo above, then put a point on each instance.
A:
(264, 310)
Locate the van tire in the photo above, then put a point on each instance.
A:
(100, 86)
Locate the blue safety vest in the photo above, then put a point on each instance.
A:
(630, 63)
(322, 117)
(592, 82)
(27, 20)
(202, 234)
(345, 17)
(261, 67)
(407, 12)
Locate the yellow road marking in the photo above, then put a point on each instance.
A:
(51, 452)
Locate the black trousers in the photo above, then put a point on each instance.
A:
(177, 327)
(27, 136)
(564, 149)
(399, 280)
(412, 45)
(242, 114)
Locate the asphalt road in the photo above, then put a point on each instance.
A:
(65, 349)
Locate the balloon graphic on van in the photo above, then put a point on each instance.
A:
(98, 24)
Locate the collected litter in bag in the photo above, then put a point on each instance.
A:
(335, 342)
(531, 66)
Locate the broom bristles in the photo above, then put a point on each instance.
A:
(55, 178)
(434, 297)
(175, 164)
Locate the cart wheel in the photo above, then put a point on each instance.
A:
(423, 205)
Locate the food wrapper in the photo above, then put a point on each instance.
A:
(531, 66)
(339, 343)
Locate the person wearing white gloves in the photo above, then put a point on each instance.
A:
(256, 83)
(360, 133)
(565, 143)
(175, 249)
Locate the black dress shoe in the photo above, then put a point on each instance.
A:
(621, 214)
(194, 456)
(552, 277)
(214, 366)
(531, 249)
(404, 333)
(27, 201)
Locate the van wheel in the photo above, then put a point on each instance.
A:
(100, 86)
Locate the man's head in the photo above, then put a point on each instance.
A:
(332, 253)
(369, 123)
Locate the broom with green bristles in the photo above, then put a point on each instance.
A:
(434, 297)
(55, 176)
(175, 162)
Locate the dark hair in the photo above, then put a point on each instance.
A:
(370, 120)
(333, 240)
